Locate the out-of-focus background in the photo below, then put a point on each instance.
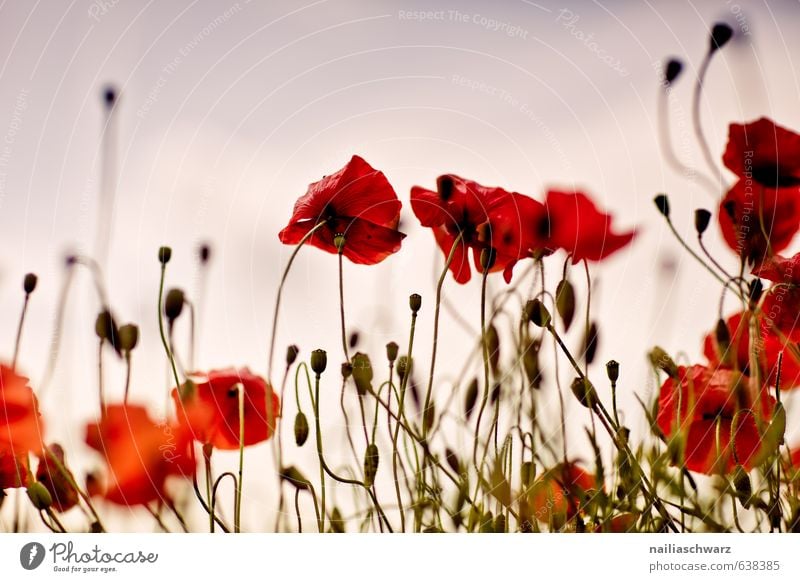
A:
(227, 110)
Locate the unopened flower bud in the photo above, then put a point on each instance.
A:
(319, 361)
(584, 391)
(661, 360)
(291, 354)
(164, 255)
(702, 217)
(106, 329)
(415, 302)
(471, 398)
(452, 460)
(173, 304)
(391, 351)
(662, 203)
(362, 373)
(565, 302)
(371, 461)
(755, 290)
(590, 343)
(29, 283)
(128, 337)
(527, 474)
(720, 35)
(612, 370)
(352, 341)
(39, 496)
(403, 367)
(300, 429)
(205, 253)
(672, 70)
(743, 486)
(295, 477)
(539, 315)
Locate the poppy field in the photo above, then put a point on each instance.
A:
(535, 441)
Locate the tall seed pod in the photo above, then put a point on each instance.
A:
(300, 429)
(565, 302)
(371, 460)
(470, 398)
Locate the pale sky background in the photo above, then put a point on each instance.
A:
(229, 109)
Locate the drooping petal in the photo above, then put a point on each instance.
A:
(764, 152)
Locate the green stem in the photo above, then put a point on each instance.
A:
(237, 525)
(341, 307)
(164, 342)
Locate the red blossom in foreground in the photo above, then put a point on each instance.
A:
(559, 494)
(485, 217)
(14, 470)
(140, 453)
(64, 495)
(781, 305)
(702, 405)
(357, 202)
(737, 354)
(210, 408)
(760, 215)
(20, 422)
(572, 222)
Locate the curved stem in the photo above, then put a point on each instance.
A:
(164, 341)
(297, 248)
(696, 122)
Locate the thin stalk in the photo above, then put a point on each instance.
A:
(18, 340)
(237, 522)
(341, 306)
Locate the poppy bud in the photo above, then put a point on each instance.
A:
(415, 303)
(612, 370)
(471, 398)
(500, 523)
(39, 496)
(319, 361)
(128, 337)
(565, 302)
(352, 341)
(295, 477)
(403, 367)
(672, 70)
(756, 289)
(164, 255)
(662, 203)
(530, 362)
(109, 96)
(701, 219)
(445, 186)
(428, 417)
(488, 258)
(661, 360)
(338, 242)
(106, 329)
(173, 304)
(590, 343)
(205, 253)
(452, 460)
(347, 370)
(720, 35)
(539, 315)
(391, 351)
(743, 486)
(362, 373)
(527, 474)
(291, 354)
(300, 429)
(584, 391)
(29, 283)
(371, 460)
(493, 347)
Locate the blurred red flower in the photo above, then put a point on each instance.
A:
(21, 426)
(357, 202)
(485, 217)
(57, 484)
(140, 453)
(701, 407)
(559, 494)
(210, 408)
(737, 354)
(572, 222)
(760, 215)
(781, 307)
(14, 470)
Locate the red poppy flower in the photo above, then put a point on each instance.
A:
(20, 423)
(49, 474)
(765, 152)
(710, 400)
(738, 354)
(572, 222)
(211, 408)
(14, 470)
(140, 453)
(758, 221)
(357, 202)
(485, 217)
(781, 307)
(558, 495)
